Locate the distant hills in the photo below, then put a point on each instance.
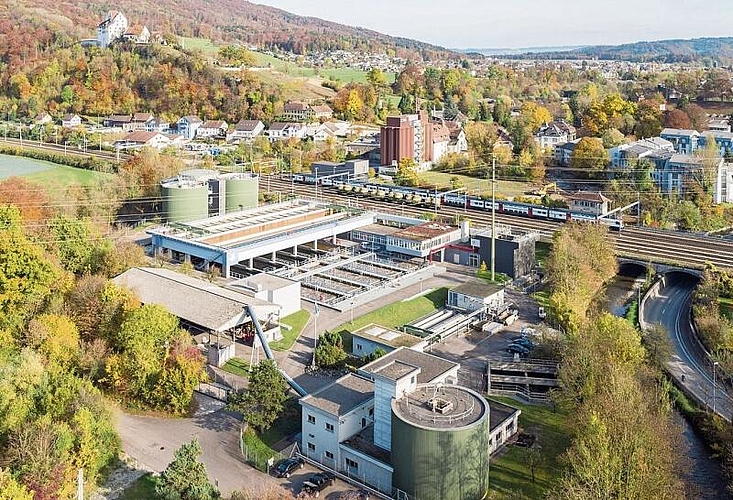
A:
(521, 50)
(688, 51)
(221, 20)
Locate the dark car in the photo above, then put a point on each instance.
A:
(523, 341)
(284, 468)
(314, 485)
(517, 349)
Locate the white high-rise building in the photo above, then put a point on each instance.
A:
(112, 28)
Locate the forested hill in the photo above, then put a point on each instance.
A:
(694, 50)
(29, 25)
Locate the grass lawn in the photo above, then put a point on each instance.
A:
(259, 446)
(542, 297)
(541, 252)
(237, 366)
(62, 175)
(144, 487)
(203, 44)
(726, 306)
(500, 278)
(509, 476)
(475, 185)
(296, 322)
(395, 315)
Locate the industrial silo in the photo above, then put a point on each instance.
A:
(440, 443)
(184, 200)
(242, 191)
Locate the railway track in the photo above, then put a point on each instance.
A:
(658, 246)
(57, 148)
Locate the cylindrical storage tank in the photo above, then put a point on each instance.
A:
(185, 201)
(242, 191)
(440, 443)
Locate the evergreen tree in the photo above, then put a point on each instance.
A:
(262, 402)
(185, 477)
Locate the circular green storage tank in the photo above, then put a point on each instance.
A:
(440, 443)
(242, 191)
(185, 201)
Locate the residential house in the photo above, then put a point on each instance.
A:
(295, 111)
(629, 154)
(286, 130)
(111, 29)
(441, 142)
(589, 202)
(42, 119)
(137, 35)
(140, 138)
(683, 141)
(554, 133)
(246, 130)
(458, 142)
(719, 123)
(159, 125)
(70, 121)
(143, 121)
(319, 132)
(119, 121)
(564, 153)
(187, 126)
(212, 128)
(321, 112)
(503, 138)
(682, 169)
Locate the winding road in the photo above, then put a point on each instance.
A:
(669, 303)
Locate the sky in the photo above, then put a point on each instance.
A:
(525, 23)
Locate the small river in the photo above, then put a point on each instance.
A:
(700, 471)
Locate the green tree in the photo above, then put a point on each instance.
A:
(330, 350)
(657, 344)
(74, 241)
(10, 489)
(263, 400)
(376, 78)
(185, 477)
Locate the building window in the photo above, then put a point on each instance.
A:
(329, 455)
(311, 447)
(311, 419)
(351, 464)
(329, 427)
(358, 347)
(371, 412)
(473, 259)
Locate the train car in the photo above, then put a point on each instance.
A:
(515, 208)
(558, 215)
(299, 178)
(477, 203)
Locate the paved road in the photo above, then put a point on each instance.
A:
(669, 304)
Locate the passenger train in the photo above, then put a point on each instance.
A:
(427, 198)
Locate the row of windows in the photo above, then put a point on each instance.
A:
(312, 420)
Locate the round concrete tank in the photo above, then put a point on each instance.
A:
(184, 201)
(242, 191)
(440, 443)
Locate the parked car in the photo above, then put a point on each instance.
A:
(314, 485)
(527, 331)
(287, 466)
(517, 349)
(542, 313)
(523, 341)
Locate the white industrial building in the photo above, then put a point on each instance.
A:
(111, 29)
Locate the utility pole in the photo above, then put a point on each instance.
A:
(715, 395)
(493, 219)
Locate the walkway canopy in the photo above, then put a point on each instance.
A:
(193, 300)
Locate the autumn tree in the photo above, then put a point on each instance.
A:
(533, 115)
(263, 400)
(677, 118)
(481, 138)
(30, 199)
(407, 173)
(589, 157)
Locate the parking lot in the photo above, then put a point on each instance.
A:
(340, 490)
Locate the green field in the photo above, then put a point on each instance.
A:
(510, 478)
(395, 315)
(726, 306)
(203, 44)
(237, 366)
(296, 322)
(46, 173)
(475, 185)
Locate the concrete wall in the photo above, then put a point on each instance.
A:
(369, 470)
(364, 347)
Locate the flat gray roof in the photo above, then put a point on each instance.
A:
(395, 370)
(342, 396)
(431, 367)
(441, 407)
(386, 336)
(191, 299)
(380, 229)
(265, 280)
(477, 288)
(499, 413)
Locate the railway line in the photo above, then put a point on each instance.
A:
(58, 148)
(658, 246)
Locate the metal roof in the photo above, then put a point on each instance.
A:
(196, 301)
